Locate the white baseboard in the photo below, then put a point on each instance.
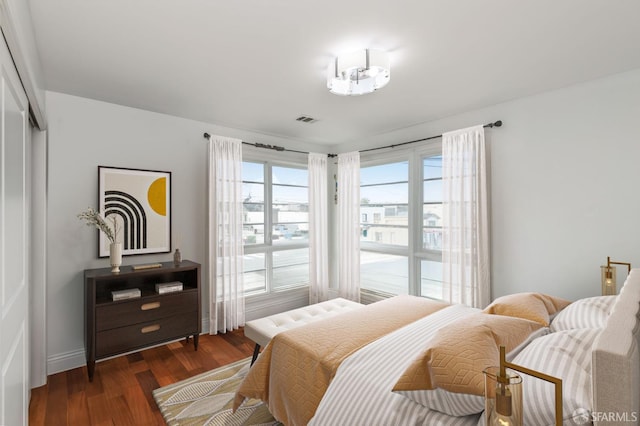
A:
(65, 361)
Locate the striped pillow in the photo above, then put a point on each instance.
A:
(450, 403)
(591, 312)
(567, 355)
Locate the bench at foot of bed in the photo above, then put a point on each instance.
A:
(262, 330)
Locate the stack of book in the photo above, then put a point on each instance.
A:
(168, 287)
(130, 293)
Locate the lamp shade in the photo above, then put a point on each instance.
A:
(608, 277)
(358, 73)
(503, 397)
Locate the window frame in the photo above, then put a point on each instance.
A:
(267, 247)
(414, 251)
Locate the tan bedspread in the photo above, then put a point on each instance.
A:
(295, 369)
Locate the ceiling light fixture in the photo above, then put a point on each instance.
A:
(358, 73)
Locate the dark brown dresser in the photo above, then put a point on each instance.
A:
(114, 327)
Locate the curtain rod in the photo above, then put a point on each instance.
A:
(280, 148)
(263, 145)
(490, 125)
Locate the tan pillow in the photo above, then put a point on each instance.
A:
(536, 307)
(460, 351)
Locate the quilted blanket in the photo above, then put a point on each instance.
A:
(295, 369)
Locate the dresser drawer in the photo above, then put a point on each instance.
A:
(124, 339)
(123, 313)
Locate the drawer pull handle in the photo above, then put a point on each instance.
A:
(150, 328)
(149, 306)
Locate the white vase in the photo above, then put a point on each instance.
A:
(115, 256)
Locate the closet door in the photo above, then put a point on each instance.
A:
(14, 282)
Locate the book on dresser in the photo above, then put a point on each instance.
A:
(169, 287)
(130, 293)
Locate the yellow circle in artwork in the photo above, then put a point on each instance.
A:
(157, 196)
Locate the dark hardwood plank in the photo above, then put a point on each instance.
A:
(121, 391)
(78, 410)
(116, 376)
(148, 383)
(57, 400)
(75, 382)
(120, 412)
(38, 406)
(98, 410)
(159, 360)
(142, 410)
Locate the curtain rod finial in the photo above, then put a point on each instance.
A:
(498, 123)
(207, 135)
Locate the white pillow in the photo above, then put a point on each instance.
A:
(566, 355)
(591, 312)
(449, 403)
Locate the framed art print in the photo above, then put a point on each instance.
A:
(140, 203)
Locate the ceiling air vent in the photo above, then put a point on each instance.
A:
(306, 119)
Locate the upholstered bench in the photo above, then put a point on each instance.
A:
(262, 330)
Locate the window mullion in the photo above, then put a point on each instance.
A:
(268, 227)
(415, 224)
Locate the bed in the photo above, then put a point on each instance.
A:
(357, 370)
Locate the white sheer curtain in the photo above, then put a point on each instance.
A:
(349, 226)
(318, 229)
(225, 250)
(465, 229)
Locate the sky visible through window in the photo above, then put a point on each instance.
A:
(391, 172)
(287, 179)
(399, 172)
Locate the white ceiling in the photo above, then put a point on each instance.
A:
(259, 64)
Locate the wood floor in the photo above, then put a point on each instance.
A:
(120, 393)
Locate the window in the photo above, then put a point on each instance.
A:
(275, 227)
(430, 253)
(401, 249)
(384, 193)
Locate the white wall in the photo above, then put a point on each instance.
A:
(84, 134)
(565, 172)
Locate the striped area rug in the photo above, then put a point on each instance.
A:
(206, 399)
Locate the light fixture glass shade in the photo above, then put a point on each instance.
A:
(608, 276)
(503, 397)
(359, 72)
